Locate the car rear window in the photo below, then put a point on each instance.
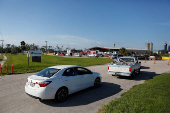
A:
(48, 72)
(127, 59)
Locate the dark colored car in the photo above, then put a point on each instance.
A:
(13, 53)
(146, 56)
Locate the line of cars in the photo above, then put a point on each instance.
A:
(57, 82)
(87, 54)
(151, 57)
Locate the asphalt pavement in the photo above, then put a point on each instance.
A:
(14, 100)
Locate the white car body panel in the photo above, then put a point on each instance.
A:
(87, 80)
(73, 83)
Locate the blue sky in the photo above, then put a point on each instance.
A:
(86, 23)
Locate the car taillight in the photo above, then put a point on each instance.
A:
(27, 80)
(108, 67)
(130, 69)
(43, 84)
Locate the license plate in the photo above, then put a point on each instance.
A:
(111, 73)
(117, 73)
(32, 84)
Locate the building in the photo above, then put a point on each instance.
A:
(149, 46)
(108, 50)
(165, 47)
(116, 49)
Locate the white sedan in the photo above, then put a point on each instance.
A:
(58, 82)
(77, 55)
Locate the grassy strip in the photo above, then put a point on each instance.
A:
(151, 97)
(1, 57)
(20, 62)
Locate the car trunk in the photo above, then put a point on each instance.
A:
(32, 81)
(118, 68)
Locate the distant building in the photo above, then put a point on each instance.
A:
(169, 48)
(108, 50)
(116, 49)
(165, 47)
(149, 46)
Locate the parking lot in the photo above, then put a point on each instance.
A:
(14, 100)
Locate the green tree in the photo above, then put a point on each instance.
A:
(146, 53)
(122, 51)
(127, 53)
(23, 45)
(8, 48)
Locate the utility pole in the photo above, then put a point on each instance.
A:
(2, 45)
(46, 47)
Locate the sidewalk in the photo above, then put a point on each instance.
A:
(3, 61)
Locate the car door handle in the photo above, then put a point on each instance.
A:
(66, 80)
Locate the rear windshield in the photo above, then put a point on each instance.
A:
(48, 72)
(127, 59)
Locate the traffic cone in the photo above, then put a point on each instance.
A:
(0, 68)
(12, 68)
(155, 60)
(7, 67)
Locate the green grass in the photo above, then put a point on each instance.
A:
(20, 62)
(1, 58)
(151, 97)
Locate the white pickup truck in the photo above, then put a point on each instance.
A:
(125, 66)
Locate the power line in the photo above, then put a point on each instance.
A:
(46, 47)
(1, 34)
(1, 40)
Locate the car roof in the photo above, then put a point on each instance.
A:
(63, 66)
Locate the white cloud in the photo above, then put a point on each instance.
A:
(165, 24)
(76, 42)
(60, 40)
(16, 41)
(8, 40)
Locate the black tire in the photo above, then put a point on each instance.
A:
(133, 74)
(138, 70)
(113, 75)
(40, 100)
(97, 82)
(61, 94)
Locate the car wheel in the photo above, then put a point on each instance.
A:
(97, 82)
(133, 74)
(138, 70)
(61, 95)
(40, 99)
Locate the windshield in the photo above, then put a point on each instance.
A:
(48, 72)
(127, 59)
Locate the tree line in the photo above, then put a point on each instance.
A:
(11, 48)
